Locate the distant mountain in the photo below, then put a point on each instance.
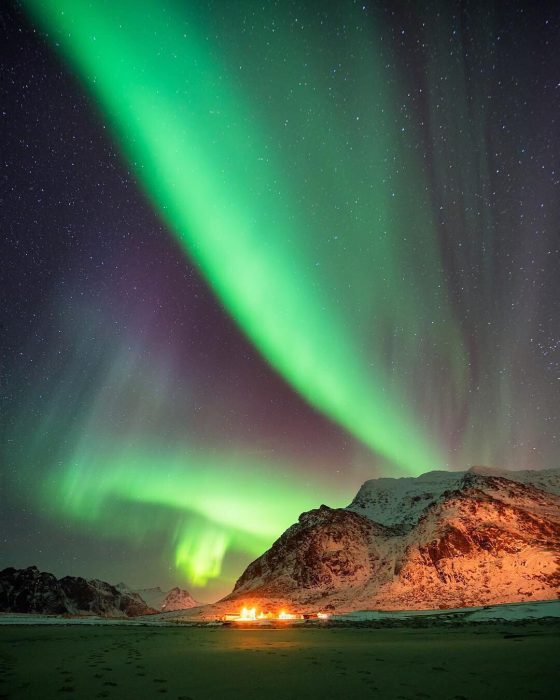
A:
(442, 540)
(33, 591)
(163, 601)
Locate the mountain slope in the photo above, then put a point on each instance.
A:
(442, 540)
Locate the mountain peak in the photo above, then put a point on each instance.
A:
(175, 599)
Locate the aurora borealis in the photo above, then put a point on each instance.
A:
(259, 254)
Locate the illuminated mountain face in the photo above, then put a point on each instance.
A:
(490, 538)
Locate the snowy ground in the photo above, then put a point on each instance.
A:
(511, 611)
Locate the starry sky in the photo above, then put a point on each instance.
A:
(254, 254)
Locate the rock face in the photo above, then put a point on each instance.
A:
(33, 591)
(164, 601)
(442, 540)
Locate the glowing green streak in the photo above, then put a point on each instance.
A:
(108, 454)
(221, 489)
(198, 151)
(201, 557)
(230, 504)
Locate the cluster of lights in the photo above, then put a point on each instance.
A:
(250, 615)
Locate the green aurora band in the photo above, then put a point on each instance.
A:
(208, 166)
(119, 466)
(338, 296)
(210, 503)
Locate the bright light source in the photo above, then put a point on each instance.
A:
(285, 616)
(248, 614)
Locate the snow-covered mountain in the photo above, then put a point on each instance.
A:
(33, 591)
(401, 501)
(444, 539)
(163, 601)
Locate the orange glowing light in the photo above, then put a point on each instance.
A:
(286, 616)
(248, 614)
(251, 615)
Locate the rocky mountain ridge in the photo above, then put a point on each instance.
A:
(32, 591)
(400, 501)
(444, 539)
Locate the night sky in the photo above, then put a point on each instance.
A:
(256, 253)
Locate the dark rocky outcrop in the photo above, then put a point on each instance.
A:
(33, 591)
